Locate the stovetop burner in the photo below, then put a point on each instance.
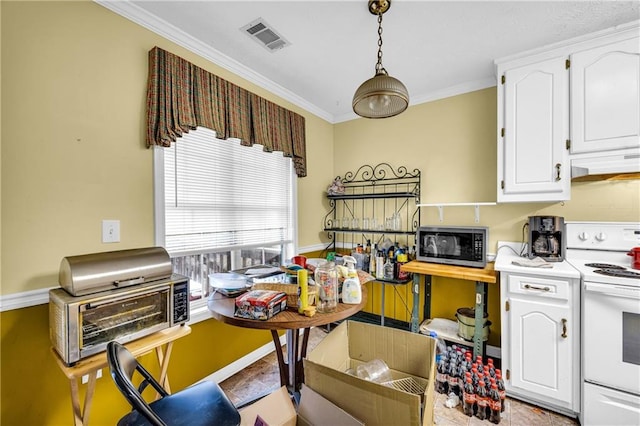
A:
(618, 272)
(605, 266)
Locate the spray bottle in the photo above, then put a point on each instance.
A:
(351, 290)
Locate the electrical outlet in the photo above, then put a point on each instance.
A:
(110, 231)
(85, 378)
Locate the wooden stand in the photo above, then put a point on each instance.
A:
(482, 277)
(162, 342)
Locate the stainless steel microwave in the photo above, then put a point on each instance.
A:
(81, 326)
(453, 245)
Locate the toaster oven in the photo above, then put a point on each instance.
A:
(82, 325)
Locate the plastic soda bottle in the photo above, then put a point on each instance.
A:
(453, 378)
(441, 377)
(501, 389)
(494, 405)
(441, 347)
(468, 397)
(482, 401)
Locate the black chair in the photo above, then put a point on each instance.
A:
(201, 404)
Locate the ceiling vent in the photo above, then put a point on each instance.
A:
(264, 34)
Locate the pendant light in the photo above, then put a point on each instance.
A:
(381, 96)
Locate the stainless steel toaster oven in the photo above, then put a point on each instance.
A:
(82, 325)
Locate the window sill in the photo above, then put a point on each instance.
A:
(198, 314)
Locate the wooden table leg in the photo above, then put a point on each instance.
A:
(282, 366)
(81, 415)
(163, 361)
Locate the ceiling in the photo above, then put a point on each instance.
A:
(436, 48)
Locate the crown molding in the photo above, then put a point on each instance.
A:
(158, 26)
(447, 92)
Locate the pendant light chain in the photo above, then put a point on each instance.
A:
(379, 67)
(381, 96)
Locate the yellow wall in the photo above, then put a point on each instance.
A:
(72, 154)
(74, 80)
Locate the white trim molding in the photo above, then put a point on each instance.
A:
(24, 299)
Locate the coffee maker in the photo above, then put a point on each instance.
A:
(546, 238)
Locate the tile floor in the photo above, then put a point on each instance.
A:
(262, 377)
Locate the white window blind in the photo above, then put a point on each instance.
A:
(220, 195)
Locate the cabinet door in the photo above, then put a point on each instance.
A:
(535, 159)
(541, 358)
(605, 97)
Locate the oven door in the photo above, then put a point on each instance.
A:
(611, 329)
(133, 315)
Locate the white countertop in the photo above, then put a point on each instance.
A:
(508, 252)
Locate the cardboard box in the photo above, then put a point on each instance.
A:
(277, 409)
(410, 357)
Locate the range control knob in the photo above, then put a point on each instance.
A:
(583, 236)
(601, 236)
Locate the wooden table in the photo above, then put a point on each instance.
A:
(91, 365)
(482, 277)
(291, 373)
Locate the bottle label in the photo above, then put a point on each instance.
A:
(494, 405)
(482, 402)
(469, 398)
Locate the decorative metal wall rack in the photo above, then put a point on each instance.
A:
(374, 203)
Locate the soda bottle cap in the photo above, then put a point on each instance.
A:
(494, 386)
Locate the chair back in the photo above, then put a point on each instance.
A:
(123, 366)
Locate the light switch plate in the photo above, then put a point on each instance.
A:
(110, 231)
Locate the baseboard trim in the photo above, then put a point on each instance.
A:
(241, 363)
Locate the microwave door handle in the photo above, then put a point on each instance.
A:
(613, 290)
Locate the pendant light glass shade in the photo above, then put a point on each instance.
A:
(381, 96)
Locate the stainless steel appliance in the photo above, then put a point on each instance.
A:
(453, 245)
(546, 238)
(610, 320)
(137, 305)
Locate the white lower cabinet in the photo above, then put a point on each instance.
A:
(540, 340)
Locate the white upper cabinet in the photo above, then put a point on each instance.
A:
(534, 165)
(568, 110)
(605, 97)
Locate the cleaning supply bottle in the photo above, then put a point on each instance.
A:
(351, 290)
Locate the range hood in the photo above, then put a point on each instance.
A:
(628, 162)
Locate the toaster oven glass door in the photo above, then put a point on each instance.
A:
(132, 316)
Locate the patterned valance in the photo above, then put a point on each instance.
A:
(182, 96)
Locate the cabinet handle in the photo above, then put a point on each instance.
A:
(564, 328)
(558, 167)
(533, 287)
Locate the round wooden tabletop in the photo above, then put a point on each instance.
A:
(222, 309)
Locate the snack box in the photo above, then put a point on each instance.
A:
(260, 304)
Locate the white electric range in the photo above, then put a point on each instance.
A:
(610, 312)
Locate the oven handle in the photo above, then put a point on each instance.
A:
(613, 290)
